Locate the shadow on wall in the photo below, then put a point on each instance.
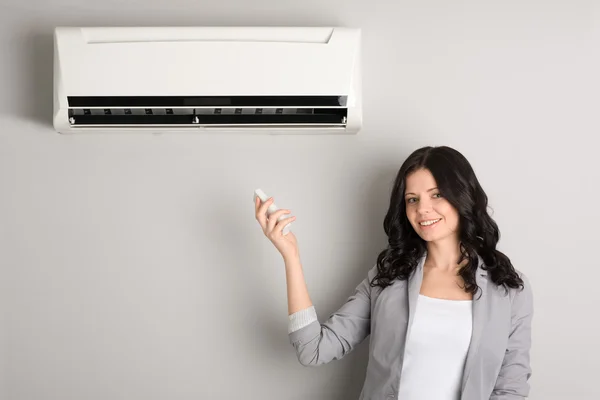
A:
(39, 83)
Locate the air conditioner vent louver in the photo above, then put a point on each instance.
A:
(206, 116)
(97, 112)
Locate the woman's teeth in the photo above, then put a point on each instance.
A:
(428, 223)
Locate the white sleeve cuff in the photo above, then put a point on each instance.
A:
(302, 318)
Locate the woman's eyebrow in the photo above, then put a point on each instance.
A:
(415, 194)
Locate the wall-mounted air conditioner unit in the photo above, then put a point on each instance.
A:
(277, 80)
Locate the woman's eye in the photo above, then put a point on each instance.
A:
(411, 200)
(437, 195)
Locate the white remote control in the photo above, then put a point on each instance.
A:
(272, 208)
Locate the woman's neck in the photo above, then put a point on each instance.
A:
(443, 254)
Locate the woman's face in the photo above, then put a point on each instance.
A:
(431, 215)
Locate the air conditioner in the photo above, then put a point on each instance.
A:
(277, 80)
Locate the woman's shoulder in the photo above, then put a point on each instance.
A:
(514, 291)
(522, 296)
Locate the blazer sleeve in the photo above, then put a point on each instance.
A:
(513, 379)
(317, 343)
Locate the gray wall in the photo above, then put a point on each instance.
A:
(132, 266)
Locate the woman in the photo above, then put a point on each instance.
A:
(448, 315)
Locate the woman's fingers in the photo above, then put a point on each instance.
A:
(277, 231)
(271, 225)
(272, 220)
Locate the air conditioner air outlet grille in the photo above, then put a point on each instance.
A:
(206, 116)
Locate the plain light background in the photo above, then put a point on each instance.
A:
(132, 266)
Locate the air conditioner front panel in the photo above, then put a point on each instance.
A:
(212, 66)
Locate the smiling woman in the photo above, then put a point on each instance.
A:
(448, 315)
(438, 226)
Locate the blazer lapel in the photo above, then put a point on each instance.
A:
(413, 290)
(480, 317)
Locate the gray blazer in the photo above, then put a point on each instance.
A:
(497, 365)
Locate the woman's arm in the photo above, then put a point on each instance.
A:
(297, 292)
(319, 343)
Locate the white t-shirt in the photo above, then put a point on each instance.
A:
(436, 350)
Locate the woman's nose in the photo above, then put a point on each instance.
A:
(424, 207)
